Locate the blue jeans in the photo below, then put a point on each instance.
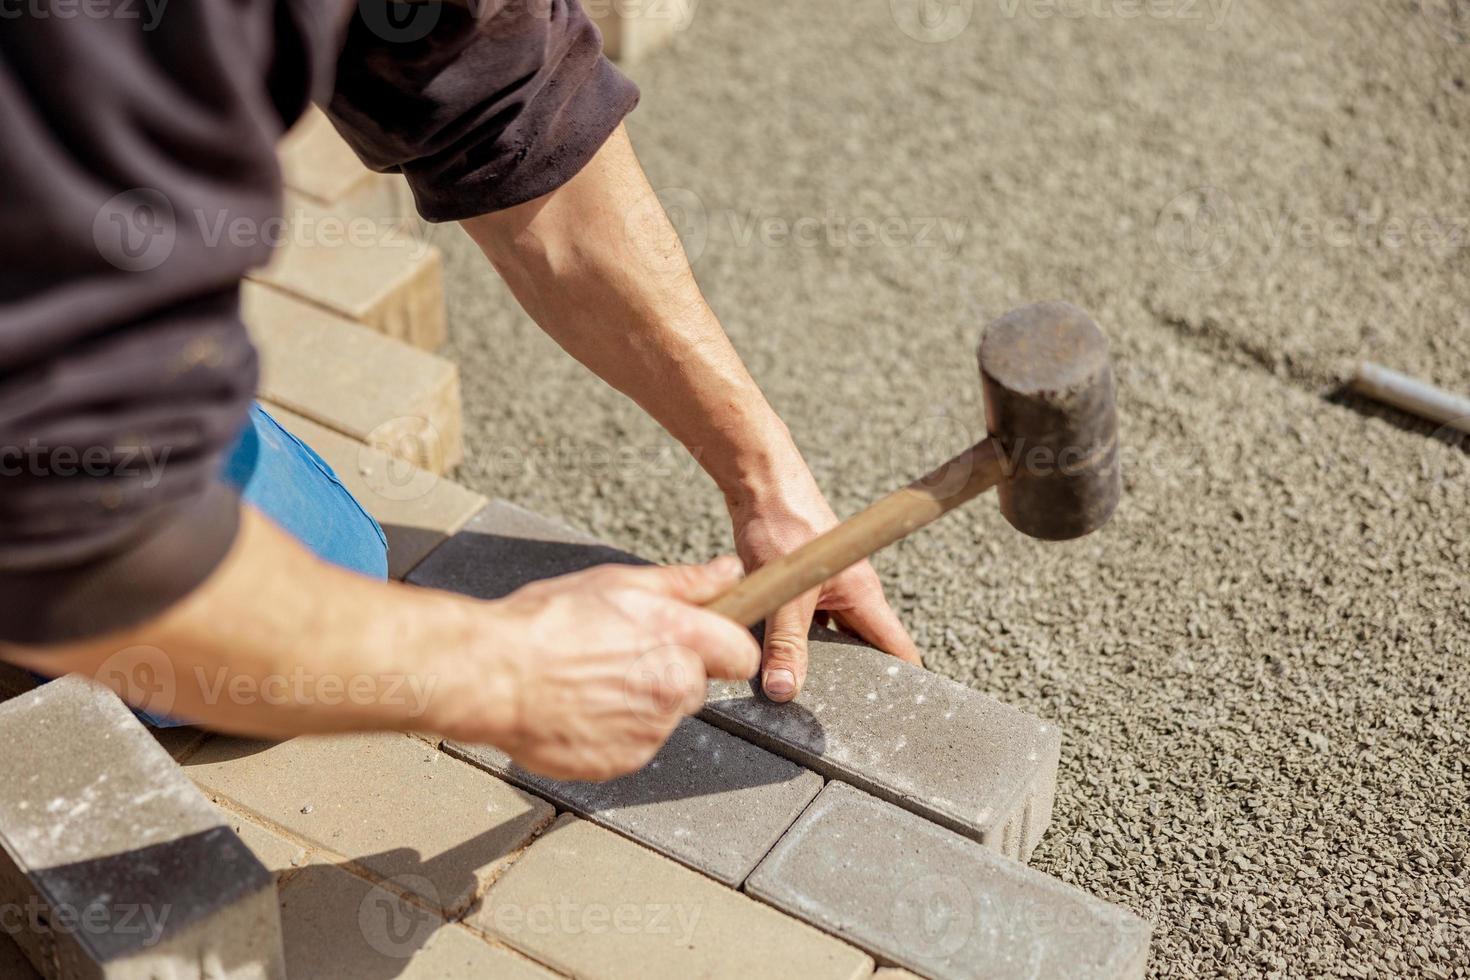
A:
(284, 479)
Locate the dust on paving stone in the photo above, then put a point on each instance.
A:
(1260, 666)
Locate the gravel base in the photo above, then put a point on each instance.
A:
(1261, 665)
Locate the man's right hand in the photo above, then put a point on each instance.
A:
(600, 666)
(582, 676)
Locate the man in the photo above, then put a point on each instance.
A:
(237, 551)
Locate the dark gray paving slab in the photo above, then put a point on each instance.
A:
(504, 547)
(708, 799)
(919, 740)
(118, 864)
(919, 896)
(914, 738)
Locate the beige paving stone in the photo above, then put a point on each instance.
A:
(354, 380)
(179, 742)
(893, 973)
(595, 905)
(455, 953)
(278, 854)
(361, 268)
(393, 806)
(417, 509)
(317, 162)
(338, 925)
(631, 32)
(335, 924)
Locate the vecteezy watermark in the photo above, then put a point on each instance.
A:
(697, 225)
(934, 915)
(401, 456)
(401, 21)
(145, 677)
(98, 918)
(303, 688)
(663, 685)
(1209, 14)
(406, 21)
(1204, 228)
(932, 21)
(391, 924)
(679, 14)
(134, 463)
(139, 229)
(569, 917)
(147, 11)
(136, 230)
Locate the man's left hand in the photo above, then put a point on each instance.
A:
(854, 598)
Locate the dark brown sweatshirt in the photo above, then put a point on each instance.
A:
(131, 132)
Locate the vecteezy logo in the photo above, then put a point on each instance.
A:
(401, 21)
(677, 206)
(934, 915)
(135, 231)
(1199, 230)
(657, 684)
(390, 923)
(400, 458)
(932, 21)
(142, 676)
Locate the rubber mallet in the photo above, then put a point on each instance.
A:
(1052, 452)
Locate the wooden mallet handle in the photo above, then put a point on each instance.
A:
(896, 516)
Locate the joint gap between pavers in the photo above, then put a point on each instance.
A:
(227, 805)
(775, 843)
(502, 947)
(505, 863)
(336, 311)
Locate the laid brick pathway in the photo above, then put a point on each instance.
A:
(708, 799)
(395, 856)
(878, 823)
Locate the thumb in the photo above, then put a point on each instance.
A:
(783, 666)
(696, 584)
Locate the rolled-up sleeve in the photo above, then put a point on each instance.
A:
(480, 107)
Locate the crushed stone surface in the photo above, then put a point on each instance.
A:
(1261, 666)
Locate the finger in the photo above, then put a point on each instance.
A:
(875, 621)
(783, 665)
(692, 583)
(726, 649)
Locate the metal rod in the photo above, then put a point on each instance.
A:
(1412, 395)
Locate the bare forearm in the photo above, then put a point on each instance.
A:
(278, 643)
(600, 268)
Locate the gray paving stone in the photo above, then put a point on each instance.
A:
(708, 799)
(922, 897)
(958, 757)
(118, 866)
(503, 547)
